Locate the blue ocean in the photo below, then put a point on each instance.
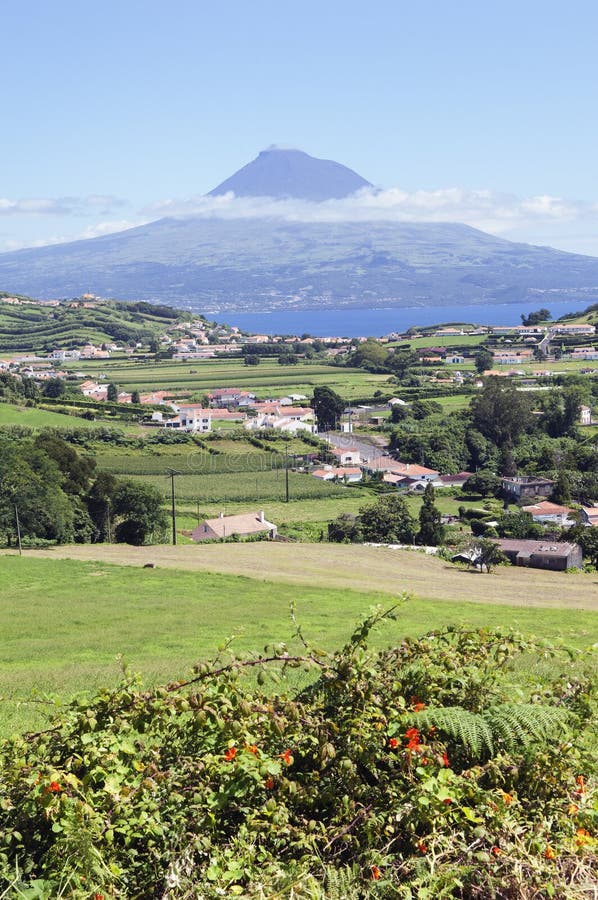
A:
(377, 322)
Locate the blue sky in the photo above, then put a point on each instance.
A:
(485, 113)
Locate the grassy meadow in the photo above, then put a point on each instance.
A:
(200, 376)
(67, 623)
(34, 417)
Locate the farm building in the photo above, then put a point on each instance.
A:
(558, 556)
(527, 486)
(244, 525)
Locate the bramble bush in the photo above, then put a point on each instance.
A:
(422, 771)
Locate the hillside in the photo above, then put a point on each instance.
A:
(218, 265)
(31, 326)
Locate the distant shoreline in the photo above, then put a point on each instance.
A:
(356, 322)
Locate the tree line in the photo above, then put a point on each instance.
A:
(50, 492)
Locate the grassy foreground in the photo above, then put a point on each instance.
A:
(66, 622)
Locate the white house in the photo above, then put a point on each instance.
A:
(347, 456)
(585, 415)
(350, 474)
(546, 513)
(191, 418)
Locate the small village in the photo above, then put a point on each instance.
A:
(355, 449)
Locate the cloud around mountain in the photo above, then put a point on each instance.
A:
(500, 214)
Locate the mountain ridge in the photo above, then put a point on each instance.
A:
(290, 173)
(261, 263)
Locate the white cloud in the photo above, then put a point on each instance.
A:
(488, 210)
(96, 204)
(92, 231)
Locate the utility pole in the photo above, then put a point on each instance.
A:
(286, 473)
(18, 529)
(171, 474)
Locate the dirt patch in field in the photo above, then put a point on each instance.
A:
(357, 567)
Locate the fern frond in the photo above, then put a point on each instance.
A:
(517, 725)
(467, 728)
(509, 724)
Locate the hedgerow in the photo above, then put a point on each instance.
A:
(413, 772)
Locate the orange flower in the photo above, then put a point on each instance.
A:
(447, 801)
(496, 851)
(54, 788)
(98, 897)
(251, 748)
(445, 760)
(419, 706)
(269, 783)
(581, 784)
(393, 743)
(582, 837)
(230, 754)
(423, 848)
(549, 852)
(507, 798)
(413, 740)
(286, 757)
(375, 873)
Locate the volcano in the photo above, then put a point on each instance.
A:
(284, 174)
(221, 262)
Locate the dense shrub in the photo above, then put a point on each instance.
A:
(405, 773)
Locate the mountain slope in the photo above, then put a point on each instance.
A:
(256, 264)
(292, 173)
(219, 264)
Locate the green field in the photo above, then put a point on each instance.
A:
(65, 623)
(454, 340)
(32, 417)
(199, 376)
(34, 327)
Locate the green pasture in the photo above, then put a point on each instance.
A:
(66, 625)
(448, 341)
(200, 376)
(250, 486)
(41, 418)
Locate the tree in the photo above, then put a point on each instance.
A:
(488, 553)
(139, 507)
(421, 409)
(483, 360)
(100, 505)
(112, 393)
(431, 531)
(484, 483)
(135, 398)
(398, 413)
(534, 318)
(328, 407)
(54, 387)
(501, 412)
(345, 529)
(388, 521)
(251, 359)
(561, 492)
(587, 538)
